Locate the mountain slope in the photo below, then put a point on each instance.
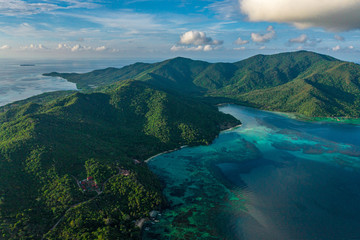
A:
(103, 77)
(44, 148)
(331, 89)
(302, 82)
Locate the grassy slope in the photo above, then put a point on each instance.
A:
(302, 82)
(43, 145)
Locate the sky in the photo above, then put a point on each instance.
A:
(213, 30)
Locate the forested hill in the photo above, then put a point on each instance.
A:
(46, 148)
(302, 82)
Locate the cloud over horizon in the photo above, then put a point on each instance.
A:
(196, 41)
(301, 39)
(240, 41)
(5, 47)
(79, 47)
(332, 15)
(197, 38)
(33, 46)
(336, 48)
(305, 41)
(262, 38)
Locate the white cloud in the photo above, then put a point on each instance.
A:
(240, 48)
(132, 22)
(301, 39)
(19, 7)
(40, 46)
(31, 31)
(79, 47)
(102, 48)
(197, 38)
(33, 46)
(22, 30)
(304, 40)
(63, 46)
(339, 38)
(261, 38)
(196, 41)
(227, 9)
(208, 48)
(333, 15)
(205, 48)
(240, 41)
(176, 48)
(313, 42)
(343, 49)
(4, 47)
(336, 48)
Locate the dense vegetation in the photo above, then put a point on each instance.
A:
(49, 144)
(306, 83)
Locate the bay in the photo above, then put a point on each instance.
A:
(272, 178)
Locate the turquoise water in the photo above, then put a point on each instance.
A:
(271, 178)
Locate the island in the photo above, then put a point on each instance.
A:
(27, 65)
(307, 84)
(72, 163)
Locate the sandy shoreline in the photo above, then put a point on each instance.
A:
(168, 151)
(232, 128)
(173, 150)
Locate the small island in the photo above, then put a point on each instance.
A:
(27, 65)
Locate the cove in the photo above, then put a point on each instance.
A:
(272, 178)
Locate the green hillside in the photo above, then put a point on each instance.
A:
(312, 85)
(306, 83)
(103, 77)
(51, 141)
(46, 146)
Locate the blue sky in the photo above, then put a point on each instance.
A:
(214, 30)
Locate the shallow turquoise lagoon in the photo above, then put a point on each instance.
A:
(271, 178)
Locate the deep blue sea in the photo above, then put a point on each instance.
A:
(19, 82)
(272, 178)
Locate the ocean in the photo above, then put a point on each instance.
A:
(22, 79)
(273, 178)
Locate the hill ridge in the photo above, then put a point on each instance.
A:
(256, 76)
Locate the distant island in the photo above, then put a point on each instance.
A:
(308, 84)
(72, 163)
(27, 65)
